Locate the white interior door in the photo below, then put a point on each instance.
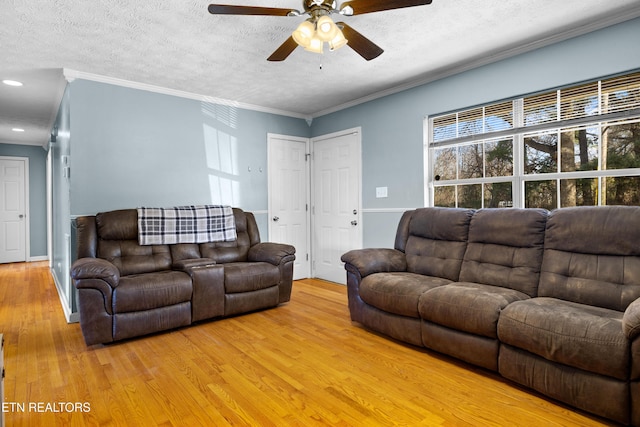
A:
(12, 211)
(289, 197)
(336, 202)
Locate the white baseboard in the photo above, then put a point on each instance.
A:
(38, 258)
(71, 317)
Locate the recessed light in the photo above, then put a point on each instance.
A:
(12, 83)
(17, 130)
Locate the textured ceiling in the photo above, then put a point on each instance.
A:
(178, 45)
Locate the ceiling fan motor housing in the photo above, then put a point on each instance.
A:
(328, 5)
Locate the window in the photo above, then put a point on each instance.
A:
(575, 146)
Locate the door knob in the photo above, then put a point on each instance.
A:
(20, 216)
(354, 222)
(276, 219)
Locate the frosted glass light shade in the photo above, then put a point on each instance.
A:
(303, 34)
(338, 41)
(326, 29)
(315, 45)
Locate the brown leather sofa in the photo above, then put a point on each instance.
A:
(549, 300)
(126, 289)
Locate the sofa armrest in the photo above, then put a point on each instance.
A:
(95, 268)
(631, 320)
(273, 253)
(380, 260)
(187, 265)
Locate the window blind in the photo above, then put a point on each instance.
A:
(621, 93)
(571, 106)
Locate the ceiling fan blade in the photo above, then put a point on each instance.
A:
(284, 50)
(367, 6)
(362, 45)
(224, 9)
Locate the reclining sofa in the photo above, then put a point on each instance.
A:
(549, 300)
(126, 289)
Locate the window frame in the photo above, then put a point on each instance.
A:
(519, 131)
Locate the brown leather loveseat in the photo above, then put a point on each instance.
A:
(126, 289)
(549, 300)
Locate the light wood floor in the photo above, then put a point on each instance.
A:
(301, 364)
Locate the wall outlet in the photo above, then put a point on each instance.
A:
(381, 192)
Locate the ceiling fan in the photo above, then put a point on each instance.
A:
(319, 28)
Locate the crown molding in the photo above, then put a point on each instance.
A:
(70, 75)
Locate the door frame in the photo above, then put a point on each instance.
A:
(359, 232)
(306, 141)
(27, 216)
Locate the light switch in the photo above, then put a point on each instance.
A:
(381, 192)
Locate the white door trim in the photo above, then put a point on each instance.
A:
(358, 165)
(306, 141)
(27, 216)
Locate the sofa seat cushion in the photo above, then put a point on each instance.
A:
(577, 335)
(397, 292)
(468, 307)
(249, 276)
(151, 290)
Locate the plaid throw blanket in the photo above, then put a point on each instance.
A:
(186, 224)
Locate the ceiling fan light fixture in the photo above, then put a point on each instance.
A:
(319, 28)
(338, 41)
(304, 33)
(326, 29)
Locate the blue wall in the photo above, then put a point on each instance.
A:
(62, 233)
(134, 148)
(392, 127)
(37, 195)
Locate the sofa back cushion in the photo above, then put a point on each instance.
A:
(436, 241)
(117, 242)
(114, 236)
(402, 233)
(505, 248)
(236, 251)
(592, 256)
